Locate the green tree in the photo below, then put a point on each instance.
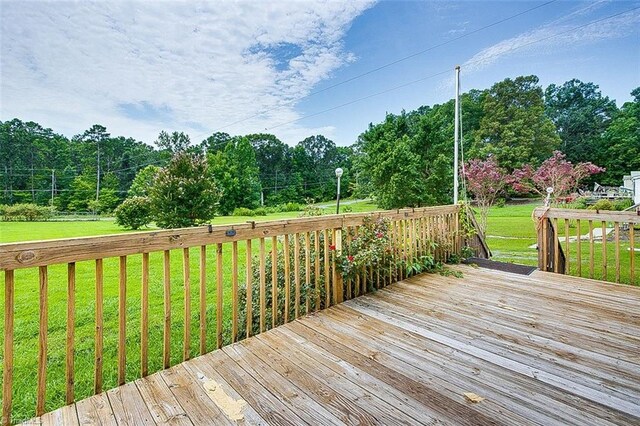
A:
(183, 194)
(514, 128)
(174, 143)
(581, 114)
(622, 142)
(143, 181)
(236, 172)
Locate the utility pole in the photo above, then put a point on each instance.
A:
(98, 177)
(53, 184)
(456, 130)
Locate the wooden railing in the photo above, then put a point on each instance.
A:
(610, 256)
(122, 289)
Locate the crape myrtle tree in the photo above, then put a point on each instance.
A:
(183, 194)
(555, 172)
(486, 180)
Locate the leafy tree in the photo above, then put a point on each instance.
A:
(134, 212)
(236, 172)
(174, 143)
(622, 142)
(214, 143)
(555, 172)
(581, 115)
(514, 128)
(183, 194)
(109, 195)
(485, 181)
(82, 191)
(143, 181)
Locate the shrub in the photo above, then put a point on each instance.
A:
(347, 209)
(134, 213)
(26, 212)
(501, 202)
(290, 207)
(580, 203)
(623, 204)
(602, 205)
(260, 211)
(242, 211)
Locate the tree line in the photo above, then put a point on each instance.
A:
(95, 171)
(405, 160)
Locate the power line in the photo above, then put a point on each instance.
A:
(384, 66)
(448, 70)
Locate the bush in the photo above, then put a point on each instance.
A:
(623, 204)
(290, 207)
(347, 209)
(26, 212)
(242, 211)
(580, 203)
(501, 202)
(134, 213)
(602, 205)
(260, 211)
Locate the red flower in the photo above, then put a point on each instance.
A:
(379, 235)
(332, 247)
(350, 258)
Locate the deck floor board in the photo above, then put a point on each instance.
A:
(541, 349)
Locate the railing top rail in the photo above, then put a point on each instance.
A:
(595, 215)
(48, 252)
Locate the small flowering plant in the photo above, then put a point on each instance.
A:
(367, 247)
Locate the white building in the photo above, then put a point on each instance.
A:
(632, 182)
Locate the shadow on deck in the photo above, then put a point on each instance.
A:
(540, 349)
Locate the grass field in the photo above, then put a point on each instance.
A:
(511, 232)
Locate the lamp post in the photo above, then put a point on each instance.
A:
(338, 175)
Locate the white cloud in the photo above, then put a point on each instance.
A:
(557, 36)
(69, 65)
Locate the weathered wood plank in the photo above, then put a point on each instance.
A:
(122, 320)
(166, 330)
(144, 316)
(7, 362)
(129, 407)
(96, 410)
(99, 328)
(162, 405)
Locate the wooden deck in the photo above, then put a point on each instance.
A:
(540, 349)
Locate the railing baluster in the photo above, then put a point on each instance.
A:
(42, 341)
(296, 273)
(316, 246)
(7, 364)
(274, 282)
(99, 335)
(337, 238)
(287, 278)
(544, 262)
(604, 250)
(144, 317)
(234, 291)
(249, 278)
(122, 320)
(556, 246)
(632, 253)
(166, 335)
(307, 269)
(186, 273)
(567, 268)
(579, 248)
(263, 285)
(591, 249)
(327, 287)
(71, 328)
(219, 297)
(349, 280)
(616, 227)
(203, 300)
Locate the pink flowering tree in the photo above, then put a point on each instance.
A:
(555, 172)
(485, 181)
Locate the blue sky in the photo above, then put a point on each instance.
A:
(242, 67)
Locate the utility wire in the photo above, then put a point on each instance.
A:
(449, 70)
(384, 66)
